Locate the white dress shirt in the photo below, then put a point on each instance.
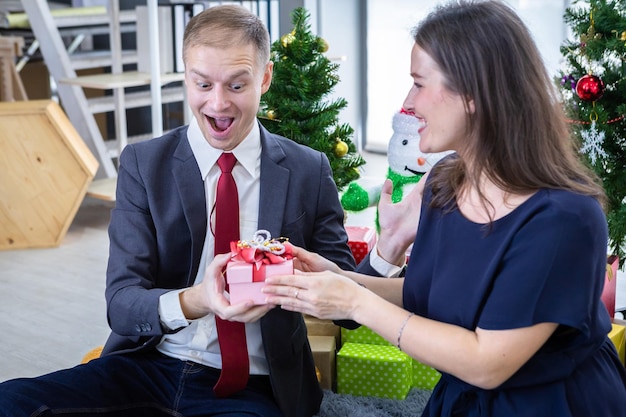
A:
(197, 341)
(384, 268)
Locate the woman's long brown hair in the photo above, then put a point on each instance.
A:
(518, 135)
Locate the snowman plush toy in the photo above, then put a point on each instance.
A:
(407, 164)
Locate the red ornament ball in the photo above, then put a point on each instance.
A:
(590, 88)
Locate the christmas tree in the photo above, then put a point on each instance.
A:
(295, 105)
(594, 94)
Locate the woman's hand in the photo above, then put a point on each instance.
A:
(210, 297)
(398, 222)
(325, 295)
(311, 262)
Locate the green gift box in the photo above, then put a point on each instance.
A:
(424, 376)
(363, 335)
(373, 370)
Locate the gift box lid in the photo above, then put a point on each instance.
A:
(242, 272)
(322, 343)
(363, 334)
(381, 353)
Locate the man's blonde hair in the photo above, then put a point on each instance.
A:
(227, 26)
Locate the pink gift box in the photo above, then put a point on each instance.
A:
(245, 283)
(361, 240)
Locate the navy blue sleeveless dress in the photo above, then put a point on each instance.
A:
(543, 262)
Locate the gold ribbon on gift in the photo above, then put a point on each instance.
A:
(260, 251)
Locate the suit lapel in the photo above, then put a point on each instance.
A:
(191, 193)
(274, 185)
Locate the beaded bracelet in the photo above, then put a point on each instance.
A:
(402, 329)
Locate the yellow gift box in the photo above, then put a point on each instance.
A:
(324, 354)
(618, 337)
(320, 327)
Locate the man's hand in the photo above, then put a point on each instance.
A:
(210, 296)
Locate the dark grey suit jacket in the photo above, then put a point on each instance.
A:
(157, 232)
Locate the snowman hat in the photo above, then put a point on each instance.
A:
(405, 123)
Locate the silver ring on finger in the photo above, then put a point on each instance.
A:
(297, 292)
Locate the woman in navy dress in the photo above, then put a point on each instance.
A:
(502, 290)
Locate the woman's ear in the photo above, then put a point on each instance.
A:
(470, 106)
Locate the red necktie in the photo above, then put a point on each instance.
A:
(230, 334)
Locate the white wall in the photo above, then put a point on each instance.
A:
(338, 23)
(544, 18)
(389, 44)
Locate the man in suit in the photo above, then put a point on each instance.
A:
(164, 284)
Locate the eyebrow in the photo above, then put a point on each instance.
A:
(236, 74)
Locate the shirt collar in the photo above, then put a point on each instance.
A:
(248, 152)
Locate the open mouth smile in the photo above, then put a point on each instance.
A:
(220, 124)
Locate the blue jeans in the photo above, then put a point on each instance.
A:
(133, 385)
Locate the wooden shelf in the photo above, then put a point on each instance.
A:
(113, 148)
(135, 99)
(97, 59)
(69, 17)
(121, 80)
(93, 19)
(103, 189)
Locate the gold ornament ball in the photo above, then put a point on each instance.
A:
(323, 46)
(271, 115)
(341, 148)
(287, 39)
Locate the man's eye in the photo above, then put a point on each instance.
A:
(237, 86)
(203, 85)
